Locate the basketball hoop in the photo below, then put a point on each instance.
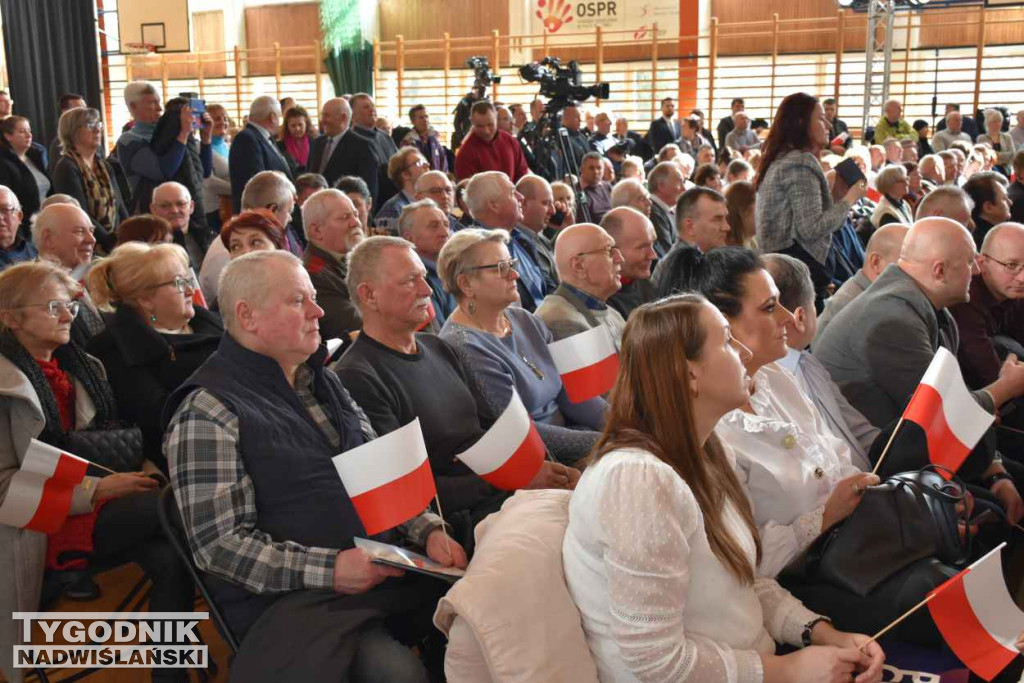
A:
(138, 48)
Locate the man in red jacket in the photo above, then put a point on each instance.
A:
(488, 149)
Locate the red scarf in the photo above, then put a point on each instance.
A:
(63, 391)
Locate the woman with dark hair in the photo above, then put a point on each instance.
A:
(294, 139)
(741, 202)
(708, 175)
(661, 549)
(21, 167)
(144, 228)
(795, 212)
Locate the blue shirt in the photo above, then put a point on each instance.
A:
(593, 303)
(22, 250)
(530, 273)
(444, 303)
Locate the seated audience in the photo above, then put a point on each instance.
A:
(84, 174)
(14, 247)
(969, 125)
(538, 207)
(796, 295)
(661, 551)
(144, 228)
(1017, 131)
(589, 267)
(932, 172)
(795, 211)
(708, 176)
(63, 235)
(738, 170)
(883, 248)
(505, 348)
(397, 375)
(666, 183)
(488, 149)
(294, 139)
(597, 190)
(565, 203)
(67, 101)
(1000, 142)
(701, 217)
(893, 125)
(51, 388)
(991, 320)
(251, 230)
(891, 181)
(634, 237)
(836, 128)
(260, 421)
(404, 169)
(632, 167)
(991, 205)
(424, 138)
(741, 208)
(893, 152)
(173, 203)
(333, 228)
(631, 192)
(425, 226)
(924, 148)
(495, 204)
(306, 184)
(1015, 192)
(356, 190)
(157, 337)
(253, 149)
(436, 186)
(741, 138)
(22, 168)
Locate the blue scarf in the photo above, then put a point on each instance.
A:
(219, 146)
(141, 131)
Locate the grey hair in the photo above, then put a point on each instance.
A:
(659, 174)
(933, 160)
(245, 279)
(793, 278)
(263, 107)
(364, 262)
(993, 114)
(406, 217)
(889, 176)
(136, 90)
(625, 191)
(614, 222)
(70, 122)
(456, 255)
(482, 188)
(418, 187)
(315, 209)
(59, 199)
(41, 223)
(170, 183)
(13, 197)
(941, 197)
(266, 188)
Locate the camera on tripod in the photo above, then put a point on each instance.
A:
(482, 71)
(562, 85)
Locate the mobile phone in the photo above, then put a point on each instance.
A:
(198, 107)
(558, 217)
(850, 172)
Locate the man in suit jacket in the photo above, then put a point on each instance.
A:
(253, 149)
(666, 184)
(364, 119)
(339, 152)
(666, 129)
(590, 266)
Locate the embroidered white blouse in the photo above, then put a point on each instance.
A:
(656, 604)
(789, 462)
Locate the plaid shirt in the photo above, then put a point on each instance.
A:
(217, 499)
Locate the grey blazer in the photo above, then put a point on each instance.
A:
(566, 314)
(878, 348)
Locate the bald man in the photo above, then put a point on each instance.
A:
(878, 348)
(590, 266)
(634, 235)
(538, 207)
(335, 153)
(172, 202)
(883, 248)
(992, 322)
(947, 201)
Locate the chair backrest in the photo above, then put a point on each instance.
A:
(174, 530)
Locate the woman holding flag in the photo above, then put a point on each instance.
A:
(661, 549)
(48, 388)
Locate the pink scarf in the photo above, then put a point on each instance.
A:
(298, 148)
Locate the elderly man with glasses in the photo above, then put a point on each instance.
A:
(173, 203)
(13, 247)
(404, 168)
(434, 185)
(590, 267)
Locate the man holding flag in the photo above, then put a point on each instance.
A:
(880, 346)
(250, 447)
(397, 375)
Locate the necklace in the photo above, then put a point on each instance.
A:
(532, 366)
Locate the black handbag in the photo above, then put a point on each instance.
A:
(118, 448)
(908, 517)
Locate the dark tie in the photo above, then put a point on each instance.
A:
(328, 151)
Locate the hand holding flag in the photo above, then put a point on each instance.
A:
(588, 363)
(40, 493)
(511, 453)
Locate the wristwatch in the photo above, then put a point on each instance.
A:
(998, 476)
(805, 637)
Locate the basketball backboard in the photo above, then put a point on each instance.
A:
(163, 23)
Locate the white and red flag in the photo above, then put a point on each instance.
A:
(388, 479)
(197, 293)
(977, 616)
(588, 363)
(952, 420)
(511, 453)
(39, 495)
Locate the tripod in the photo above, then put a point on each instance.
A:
(552, 135)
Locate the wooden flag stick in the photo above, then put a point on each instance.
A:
(105, 469)
(897, 622)
(550, 457)
(885, 451)
(447, 539)
(1019, 527)
(1009, 429)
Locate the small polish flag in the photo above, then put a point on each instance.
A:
(977, 617)
(952, 420)
(839, 139)
(39, 495)
(388, 479)
(873, 194)
(510, 454)
(332, 348)
(588, 363)
(197, 294)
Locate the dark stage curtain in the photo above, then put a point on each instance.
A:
(51, 49)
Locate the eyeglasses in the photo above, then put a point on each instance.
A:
(173, 205)
(504, 268)
(414, 164)
(611, 252)
(181, 283)
(1012, 268)
(94, 126)
(438, 191)
(9, 210)
(55, 307)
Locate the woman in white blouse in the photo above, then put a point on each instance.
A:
(661, 546)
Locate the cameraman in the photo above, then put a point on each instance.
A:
(462, 114)
(488, 149)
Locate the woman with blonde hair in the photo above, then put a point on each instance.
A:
(158, 336)
(661, 547)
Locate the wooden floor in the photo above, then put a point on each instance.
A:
(115, 585)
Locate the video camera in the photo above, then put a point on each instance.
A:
(482, 70)
(562, 85)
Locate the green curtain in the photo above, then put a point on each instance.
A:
(349, 56)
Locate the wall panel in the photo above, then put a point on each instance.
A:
(295, 24)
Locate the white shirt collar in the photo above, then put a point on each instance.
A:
(792, 360)
(671, 210)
